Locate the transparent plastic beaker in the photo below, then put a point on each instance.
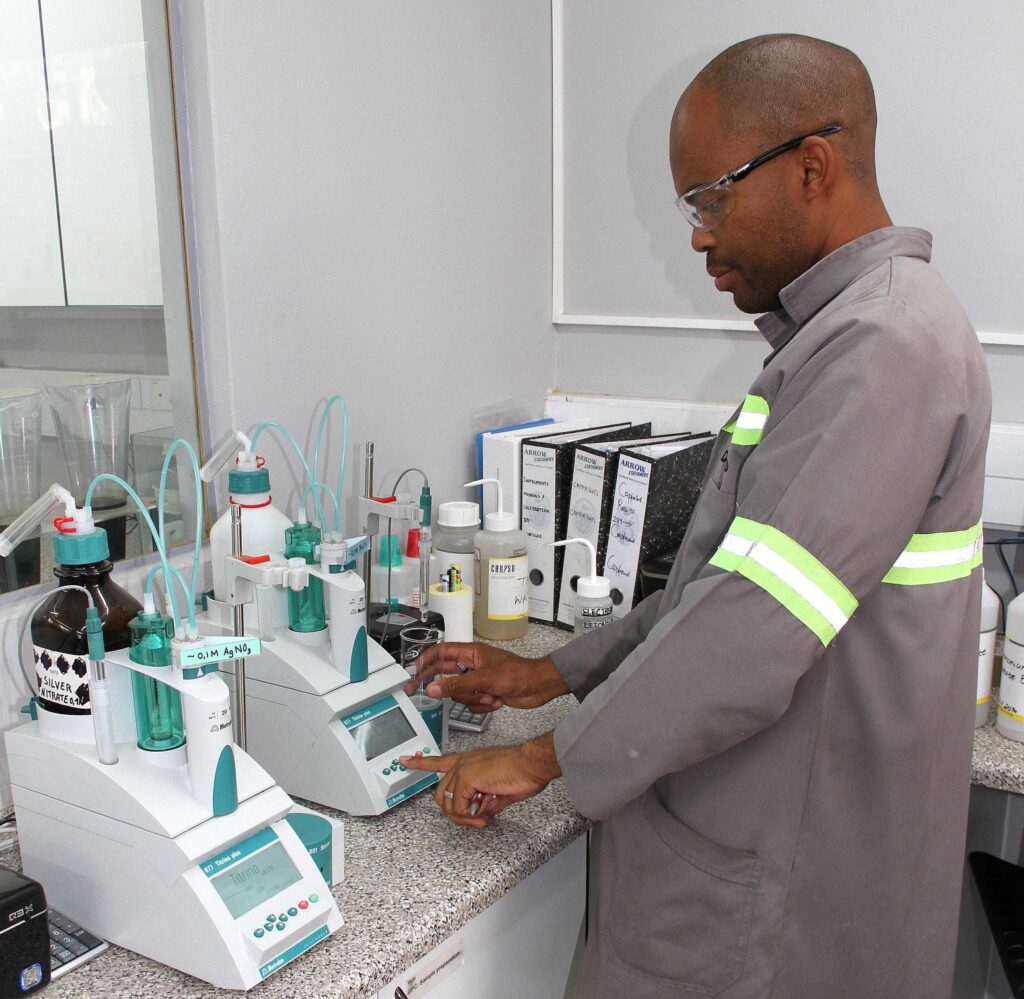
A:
(416, 640)
(92, 431)
(20, 434)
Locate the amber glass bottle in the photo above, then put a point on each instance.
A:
(58, 626)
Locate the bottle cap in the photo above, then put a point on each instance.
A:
(412, 544)
(250, 476)
(390, 551)
(458, 514)
(592, 585)
(500, 520)
(81, 549)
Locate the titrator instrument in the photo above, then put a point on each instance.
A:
(326, 713)
(149, 825)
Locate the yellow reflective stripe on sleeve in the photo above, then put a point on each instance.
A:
(749, 425)
(789, 573)
(937, 558)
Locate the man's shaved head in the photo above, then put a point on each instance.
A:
(777, 220)
(773, 87)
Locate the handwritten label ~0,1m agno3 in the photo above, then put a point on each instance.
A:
(222, 651)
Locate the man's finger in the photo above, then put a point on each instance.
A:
(435, 764)
(461, 687)
(449, 653)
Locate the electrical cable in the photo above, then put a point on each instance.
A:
(1006, 566)
(398, 481)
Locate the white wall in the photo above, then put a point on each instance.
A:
(626, 250)
(371, 192)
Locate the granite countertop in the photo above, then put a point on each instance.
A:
(998, 761)
(412, 879)
(440, 875)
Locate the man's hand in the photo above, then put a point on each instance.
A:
(479, 784)
(485, 678)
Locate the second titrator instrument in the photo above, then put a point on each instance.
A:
(326, 712)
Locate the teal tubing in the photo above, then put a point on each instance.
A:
(171, 574)
(157, 540)
(344, 451)
(327, 490)
(273, 425)
(199, 515)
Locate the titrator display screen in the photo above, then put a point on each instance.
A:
(382, 733)
(255, 879)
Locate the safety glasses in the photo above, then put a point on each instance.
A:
(706, 205)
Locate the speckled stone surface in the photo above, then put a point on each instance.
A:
(998, 761)
(412, 879)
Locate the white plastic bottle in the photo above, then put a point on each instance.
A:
(501, 572)
(1010, 716)
(593, 594)
(457, 524)
(263, 524)
(986, 650)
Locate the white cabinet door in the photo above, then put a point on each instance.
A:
(520, 948)
(30, 271)
(96, 63)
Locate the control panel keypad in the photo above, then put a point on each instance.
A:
(279, 921)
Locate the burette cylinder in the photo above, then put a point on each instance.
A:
(306, 606)
(158, 717)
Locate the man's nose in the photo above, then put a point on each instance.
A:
(702, 240)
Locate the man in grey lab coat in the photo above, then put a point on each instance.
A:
(777, 747)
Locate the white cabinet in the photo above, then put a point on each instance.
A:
(103, 151)
(78, 218)
(30, 267)
(522, 947)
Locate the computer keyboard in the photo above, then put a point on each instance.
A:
(70, 945)
(462, 719)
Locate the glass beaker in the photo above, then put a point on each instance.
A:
(20, 435)
(416, 639)
(20, 432)
(92, 430)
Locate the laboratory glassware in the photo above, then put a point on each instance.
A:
(92, 422)
(417, 640)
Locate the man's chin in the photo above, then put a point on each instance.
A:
(754, 304)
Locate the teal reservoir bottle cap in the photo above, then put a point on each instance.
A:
(81, 549)
(246, 483)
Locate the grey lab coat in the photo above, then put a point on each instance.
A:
(778, 745)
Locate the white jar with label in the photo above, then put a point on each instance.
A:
(986, 650)
(501, 573)
(457, 526)
(1010, 716)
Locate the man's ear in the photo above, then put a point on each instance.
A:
(818, 165)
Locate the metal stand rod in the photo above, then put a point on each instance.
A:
(368, 557)
(238, 614)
